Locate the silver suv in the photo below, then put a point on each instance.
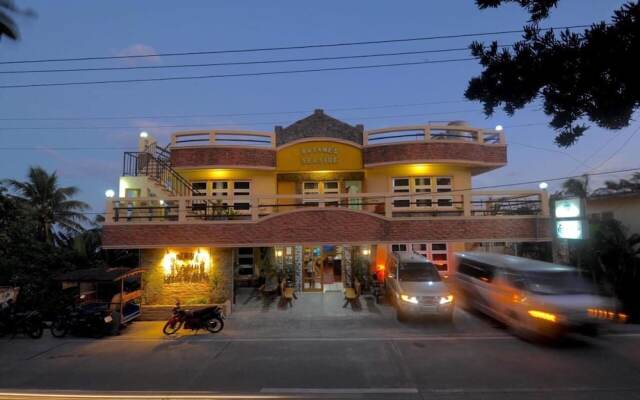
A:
(414, 287)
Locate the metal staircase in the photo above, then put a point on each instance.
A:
(155, 164)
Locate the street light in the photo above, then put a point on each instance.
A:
(499, 128)
(543, 185)
(110, 193)
(144, 134)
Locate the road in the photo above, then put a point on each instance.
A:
(368, 356)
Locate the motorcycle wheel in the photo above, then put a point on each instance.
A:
(215, 325)
(168, 329)
(59, 328)
(34, 329)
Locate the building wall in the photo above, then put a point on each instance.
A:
(216, 289)
(378, 179)
(624, 209)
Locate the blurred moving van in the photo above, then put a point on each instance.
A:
(533, 298)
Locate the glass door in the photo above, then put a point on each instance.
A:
(312, 264)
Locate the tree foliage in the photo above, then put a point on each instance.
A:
(8, 26)
(52, 206)
(588, 76)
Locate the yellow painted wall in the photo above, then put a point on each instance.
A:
(262, 182)
(378, 179)
(319, 156)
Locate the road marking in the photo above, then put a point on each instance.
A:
(339, 390)
(125, 395)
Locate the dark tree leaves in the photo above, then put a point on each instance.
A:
(578, 76)
(538, 9)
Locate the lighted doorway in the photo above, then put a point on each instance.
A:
(322, 268)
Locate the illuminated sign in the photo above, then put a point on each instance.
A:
(570, 229)
(568, 208)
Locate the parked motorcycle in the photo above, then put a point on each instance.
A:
(86, 320)
(209, 318)
(13, 322)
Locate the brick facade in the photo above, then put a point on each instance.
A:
(223, 156)
(426, 151)
(324, 226)
(217, 289)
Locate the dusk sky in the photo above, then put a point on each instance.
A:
(105, 120)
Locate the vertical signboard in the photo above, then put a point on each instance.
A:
(570, 219)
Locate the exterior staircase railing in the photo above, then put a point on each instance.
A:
(155, 164)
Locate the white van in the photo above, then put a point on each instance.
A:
(414, 286)
(534, 298)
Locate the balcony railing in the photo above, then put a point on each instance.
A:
(480, 204)
(223, 138)
(427, 133)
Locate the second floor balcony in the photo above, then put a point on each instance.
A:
(205, 209)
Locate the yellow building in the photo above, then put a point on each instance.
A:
(321, 197)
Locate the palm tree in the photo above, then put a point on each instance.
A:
(52, 206)
(576, 187)
(8, 27)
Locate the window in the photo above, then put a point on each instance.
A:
(219, 188)
(312, 188)
(607, 216)
(401, 185)
(443, 184)
(241, 188)
(199, 188)
(422, 185)
(245, 261)
(398, 247)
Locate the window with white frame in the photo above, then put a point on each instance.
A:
(398, 247)
(311, 190)
(199, 188)
(422, 192)
(401, 185)
(437, 253)
(245, 261)
(241, 189)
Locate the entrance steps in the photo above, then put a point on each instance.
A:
(333, 287)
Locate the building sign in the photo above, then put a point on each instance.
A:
(186, 267)
(318, 155)
(569, 217)
(568, 208)
(570, 229)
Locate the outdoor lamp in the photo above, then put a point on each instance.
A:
(144, 134)
(543, 185)
(110, 193)
(366, 252)
(499, 128)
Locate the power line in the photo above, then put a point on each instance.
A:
(618, 150)
(581, 162)
(279, 48)
(229, 114)
(84, 128)
(289, 60)
(244, 74)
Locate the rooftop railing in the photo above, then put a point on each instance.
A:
(427, 133)
(481, 204)
(223, 138)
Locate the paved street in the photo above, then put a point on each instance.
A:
(319, 350)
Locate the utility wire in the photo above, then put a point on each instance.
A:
(244, 74)
(615, 153)
(279, 48)
(84, 128)
(229, 63)
(229, 114)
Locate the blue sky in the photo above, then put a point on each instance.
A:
(83, 28)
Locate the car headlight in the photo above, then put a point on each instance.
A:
(409, 299)
(446, 299)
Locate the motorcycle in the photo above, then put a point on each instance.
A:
(13, 322)
(87, 320)
(209, 318)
